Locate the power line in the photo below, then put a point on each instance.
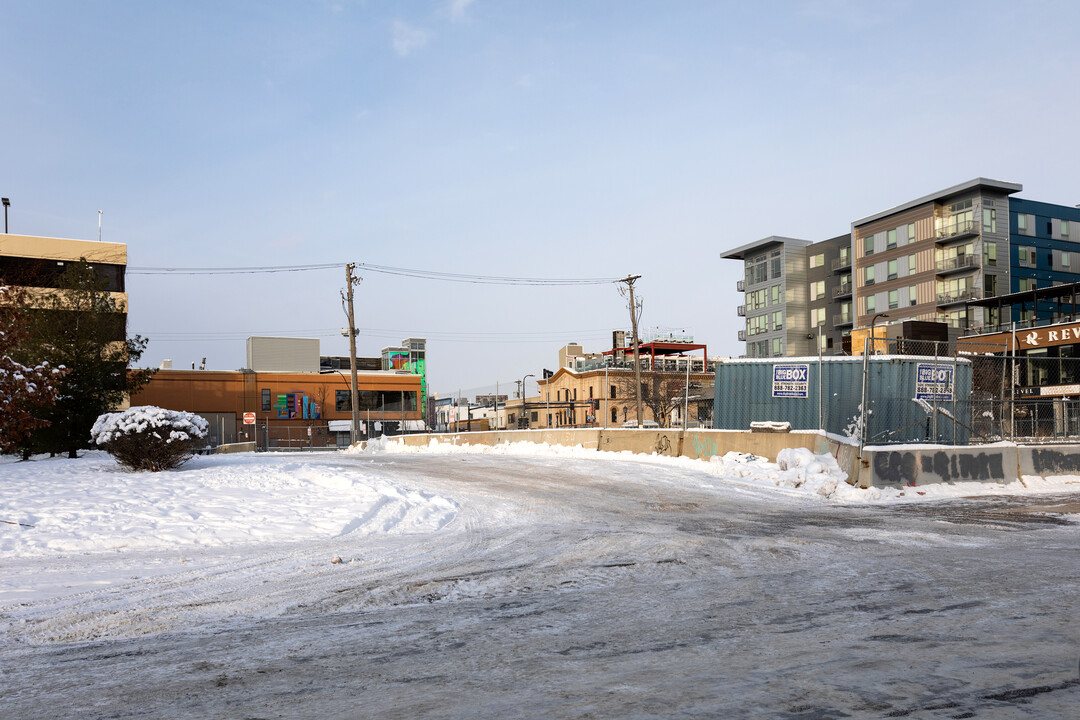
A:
(383, 269)
(482, 279)
(227, 270)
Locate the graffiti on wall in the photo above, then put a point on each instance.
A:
(702, 446)
(1055, 462)
(907, 467)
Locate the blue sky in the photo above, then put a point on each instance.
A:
(544, 139)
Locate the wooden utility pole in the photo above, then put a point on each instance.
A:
(354, 395)
(629, 280)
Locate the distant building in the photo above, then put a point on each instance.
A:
(36, 263)
(292, 405)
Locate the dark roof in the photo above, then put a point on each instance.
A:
(1071, 290)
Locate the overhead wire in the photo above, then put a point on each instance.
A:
(383, 269)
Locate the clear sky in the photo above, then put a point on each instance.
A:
(522, 139)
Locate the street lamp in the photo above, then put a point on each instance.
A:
(6, 204)
(873, 330)
(523, 415)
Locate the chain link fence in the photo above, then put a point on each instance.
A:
(970, 392)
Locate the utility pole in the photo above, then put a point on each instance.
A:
(629, 280)
(354, 395)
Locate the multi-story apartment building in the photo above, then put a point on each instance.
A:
(1044, 252)
(928, 258)
(798, 295)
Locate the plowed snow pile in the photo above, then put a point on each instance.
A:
(90, 504)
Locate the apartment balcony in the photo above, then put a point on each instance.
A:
(948, 266)
(741, 311)
(742, 336)
(740, 286)
(959, 296)
(841, 263)
(841, 320)
(956, 231)
(842, 290)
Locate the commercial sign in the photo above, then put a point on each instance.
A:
(934, 382)
(791, 381)
(1047, 336)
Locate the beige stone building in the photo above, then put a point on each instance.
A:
(36, 263)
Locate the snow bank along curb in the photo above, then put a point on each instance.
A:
(885, 466)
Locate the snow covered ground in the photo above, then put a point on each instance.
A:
(529, 581)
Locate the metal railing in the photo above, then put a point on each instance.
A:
(954, 230)
(956, 264)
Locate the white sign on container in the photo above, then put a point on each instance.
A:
(791, 381)
(934, 382)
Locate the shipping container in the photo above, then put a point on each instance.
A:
(909, 398)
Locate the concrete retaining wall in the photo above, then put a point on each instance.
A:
(1049, 460)
(878, 467)
(907, 466)
(697, 444)
(235, 448)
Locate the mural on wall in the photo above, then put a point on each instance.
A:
(297, 406)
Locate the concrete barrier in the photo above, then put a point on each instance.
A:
(696, 444)
(922, 465)
(1049, 460)
(234, 448)
(880, 466)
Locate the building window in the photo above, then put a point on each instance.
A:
(911, 265)
(989, 254)
(612, 391)
(989, 220)
(869, 275)
(1022, 223)
(913, 295)
(266, 406)
(777, 347)
(817, 290)
(1064, 229)
(1065, 260)
(911, 232)
(777, 264)
(774, 293)
(892, 269)
(1026, 256)
(990, 284)
(868, 245)
(778, 320)
(871, 304)
(757, 270)
(890, 239)
(894, 299)
(614, 414)
(817, 261)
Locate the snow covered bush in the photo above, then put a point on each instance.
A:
(150, 438)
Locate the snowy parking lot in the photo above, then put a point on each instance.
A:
(526, 581)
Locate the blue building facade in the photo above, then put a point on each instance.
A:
(1044, 250)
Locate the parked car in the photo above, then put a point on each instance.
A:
(647, 425)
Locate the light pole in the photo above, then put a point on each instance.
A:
(873, 330)
(523, 415)
(6, 204)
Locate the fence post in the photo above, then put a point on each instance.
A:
(933, 423)
(955, 390)
(864, 420)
